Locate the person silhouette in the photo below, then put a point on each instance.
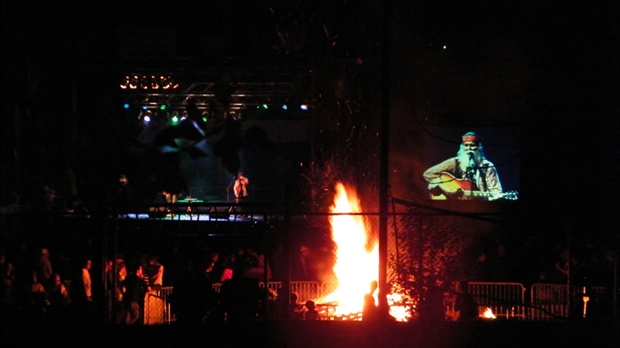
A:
(465, 306)
(240, 298)
(240, 188)
(193, 299)
(133, 298)
(296, 309)
(311, 313)
(370, 311)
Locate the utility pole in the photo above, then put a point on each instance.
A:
(615, 288)
(384, 160)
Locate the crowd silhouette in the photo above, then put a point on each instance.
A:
(45, 286)
(44, 280)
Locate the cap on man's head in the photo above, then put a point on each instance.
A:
(471, 137)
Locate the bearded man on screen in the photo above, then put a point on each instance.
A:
(469, 175)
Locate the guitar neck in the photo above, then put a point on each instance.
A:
(465, 189)
(481, 194)
(512, 195)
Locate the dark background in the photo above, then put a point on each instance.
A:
(547, 68)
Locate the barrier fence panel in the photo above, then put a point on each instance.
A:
(154, 309)
(307, 290)
(217, 287)
(158, 308)
(559, 302)
(505, 300)
(166, 294)
(549, 301)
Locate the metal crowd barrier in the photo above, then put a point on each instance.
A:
(158, 308)
(307, 290)
(556, 301)
(155, 307)
(506, 300)
(549, 301)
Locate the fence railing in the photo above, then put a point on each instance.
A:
(158, 307)
(546, 302)
(505, 300)
(559, 301)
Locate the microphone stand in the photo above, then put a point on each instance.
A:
(471, 168)
(232, 208)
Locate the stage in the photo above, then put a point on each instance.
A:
(192, 209)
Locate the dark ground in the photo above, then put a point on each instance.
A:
(584, 334)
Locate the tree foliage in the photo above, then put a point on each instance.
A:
(428, 254)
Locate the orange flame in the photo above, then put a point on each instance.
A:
(357, 263)
(488, 314)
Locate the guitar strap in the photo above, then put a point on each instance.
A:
(459, 172)
(483, 179)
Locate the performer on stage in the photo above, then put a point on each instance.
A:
(469, 175)
(172, 186)
(240, 188)
(169, 196)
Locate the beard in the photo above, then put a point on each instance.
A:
(465, 156)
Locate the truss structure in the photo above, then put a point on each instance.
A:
(234, 96)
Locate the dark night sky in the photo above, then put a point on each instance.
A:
(570, 130)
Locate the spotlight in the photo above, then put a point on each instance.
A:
(133, 84)
(144, 83)
(175, 117)
(154, 83)
(147, 116)
(125, 83)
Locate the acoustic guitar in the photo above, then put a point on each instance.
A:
(449, 187)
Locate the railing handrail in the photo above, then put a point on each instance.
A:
(512, 304)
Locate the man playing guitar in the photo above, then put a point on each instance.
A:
(469, 175)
